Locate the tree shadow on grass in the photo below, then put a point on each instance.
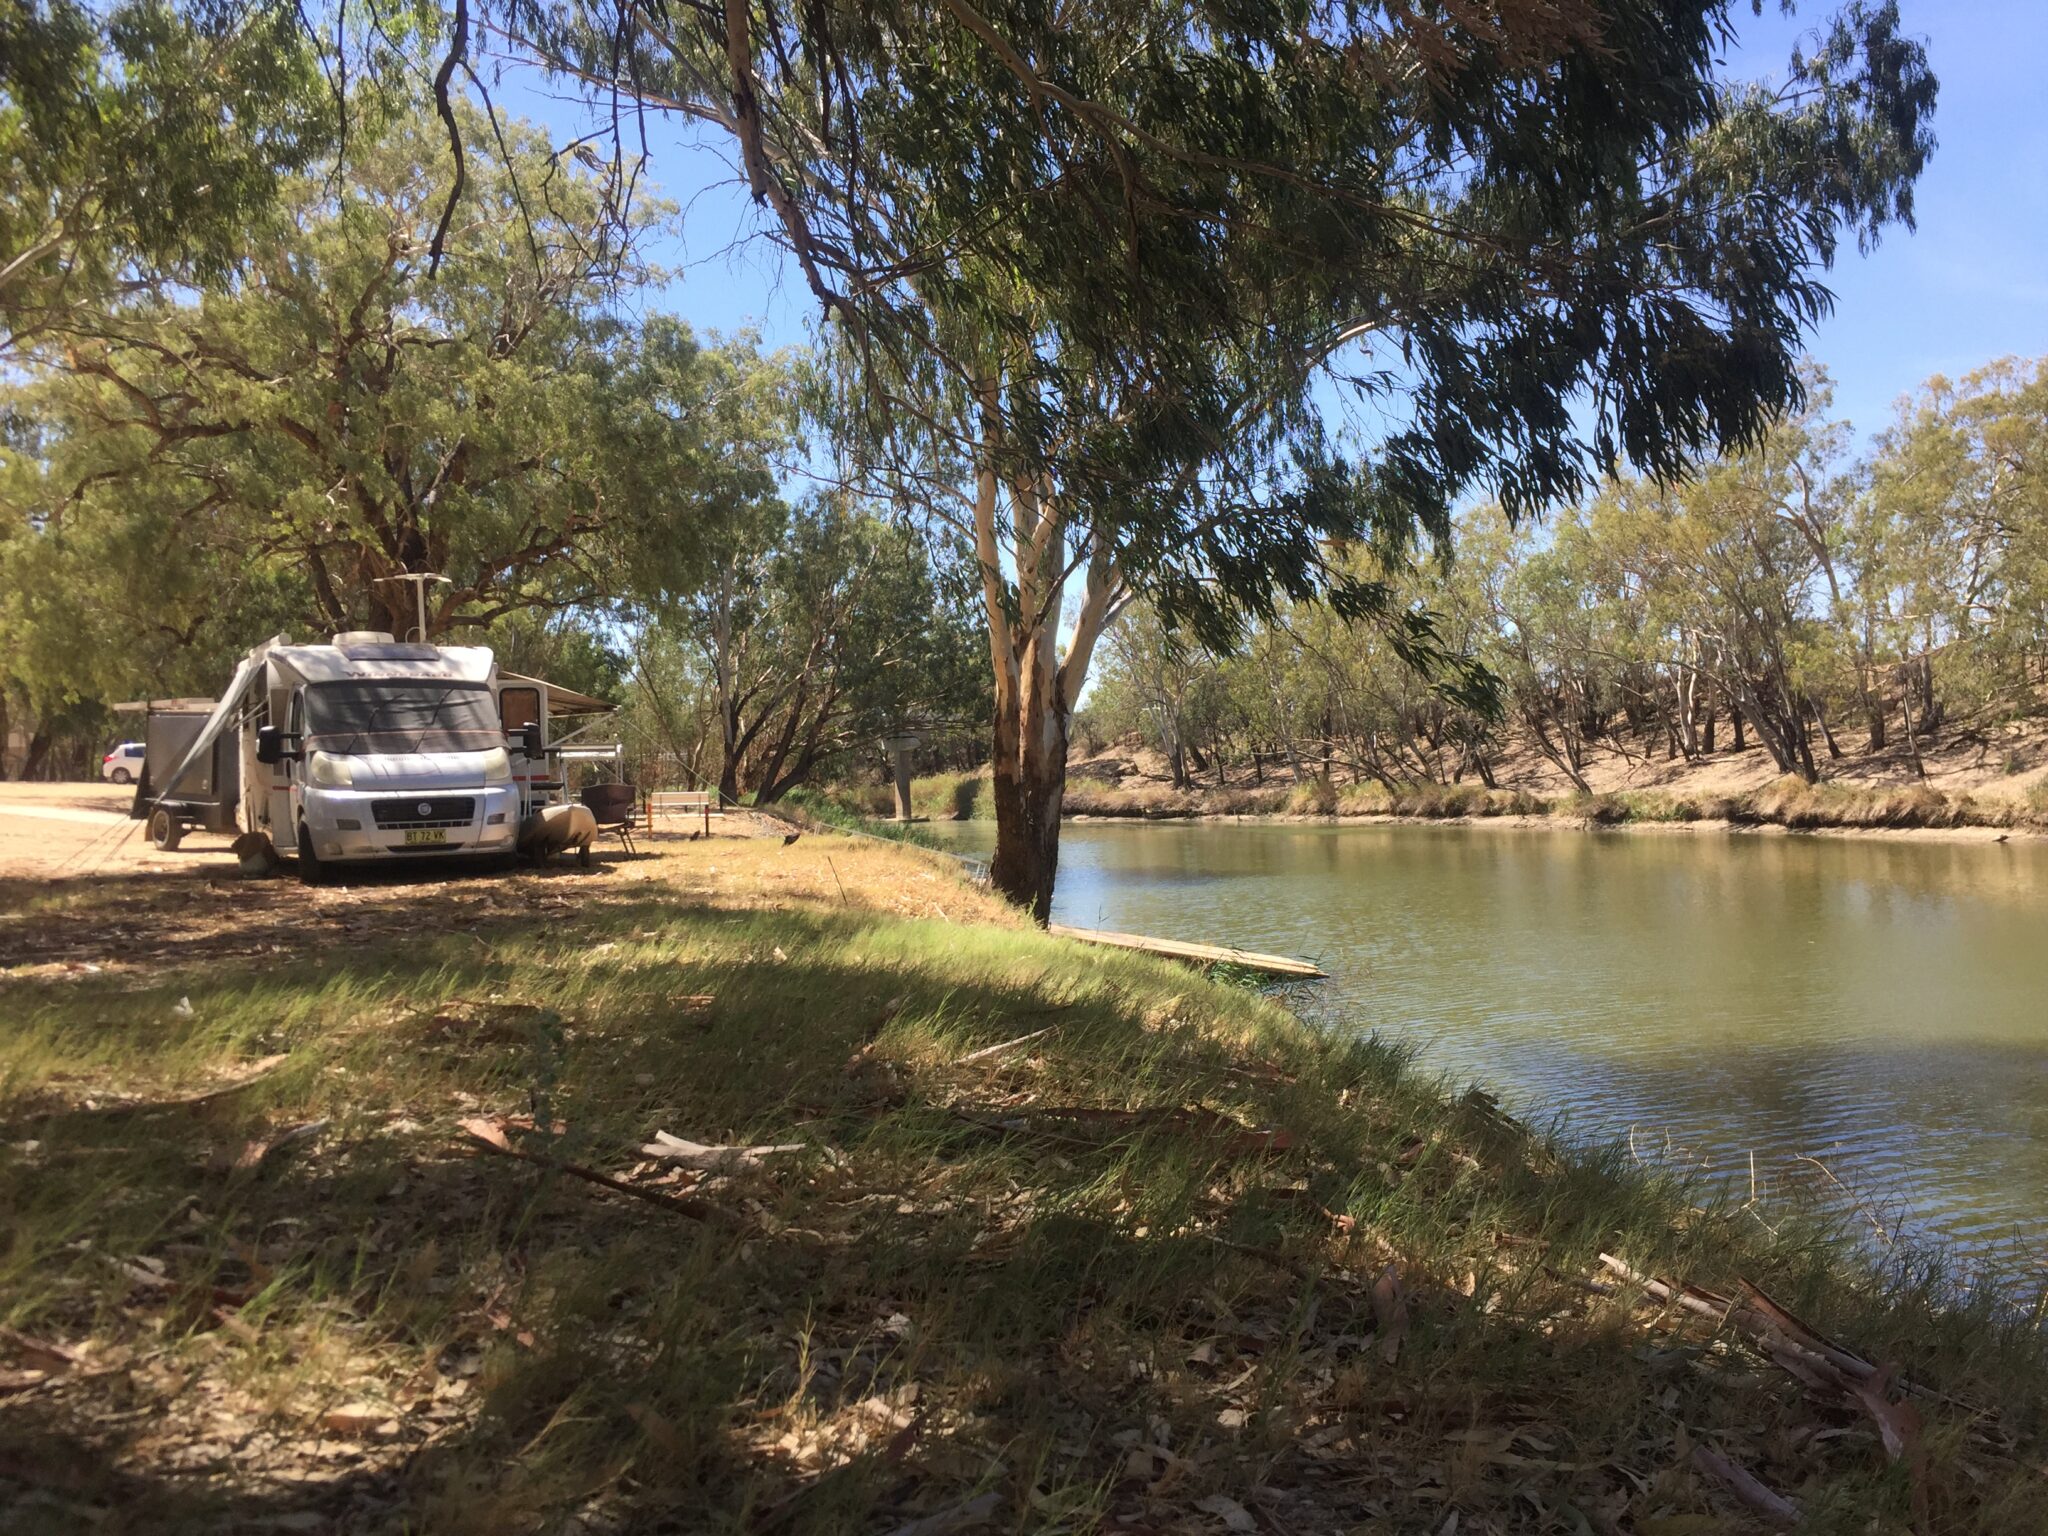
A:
(930, 1302)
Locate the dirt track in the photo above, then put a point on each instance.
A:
(76, 829)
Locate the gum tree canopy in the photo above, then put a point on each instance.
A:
(139, 138)
(1196, 296)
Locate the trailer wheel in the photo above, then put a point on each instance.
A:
(165, 830)
(311, 870)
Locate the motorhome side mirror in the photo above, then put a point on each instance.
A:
(270, 746)
(529, 739)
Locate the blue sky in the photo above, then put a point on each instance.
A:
(1969, 286)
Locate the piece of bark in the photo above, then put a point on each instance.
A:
(1390, 1311)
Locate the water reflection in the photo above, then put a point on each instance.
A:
(1880, 1006)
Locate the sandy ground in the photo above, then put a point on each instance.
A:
(80, 829)
(57, 831)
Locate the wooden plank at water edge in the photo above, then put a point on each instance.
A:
(1200, 954)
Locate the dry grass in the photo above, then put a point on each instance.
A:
(1792, 802)
(1072, 1233)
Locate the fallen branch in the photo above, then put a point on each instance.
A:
(710, 1159)
(1265, 1256)
(1236, 1138)
(1006, 1045)
(256, 1073)
(258, 1155)
(493, 1136)
(959, 1517)
(50, 1356)
(1741, 1482)
(1704, 1303)
(1813, 1360)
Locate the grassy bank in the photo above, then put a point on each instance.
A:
(1053, 1239)
(1788, 802)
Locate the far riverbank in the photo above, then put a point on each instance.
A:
(1782, 805)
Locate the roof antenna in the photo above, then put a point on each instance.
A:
(419, 580)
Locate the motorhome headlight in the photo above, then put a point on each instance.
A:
(329, 770)
(497, 766)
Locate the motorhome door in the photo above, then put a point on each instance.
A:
(520, 706)
(280, 777)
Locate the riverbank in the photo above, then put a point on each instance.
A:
(1783, 805)
(351, 1208)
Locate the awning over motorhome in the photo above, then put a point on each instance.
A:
(218, 720)
(163, 707)
(562, 702)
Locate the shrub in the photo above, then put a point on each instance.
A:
(1602, 810)
(1147, 801)
(1317, 797)
(2037, 799)
(1245, 801)
(1369, 799)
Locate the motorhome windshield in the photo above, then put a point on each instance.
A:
(401, 716)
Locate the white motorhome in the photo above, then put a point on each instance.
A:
(363, 750)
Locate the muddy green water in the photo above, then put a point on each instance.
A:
(1879, 1006)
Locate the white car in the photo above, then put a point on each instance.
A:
(123, 765)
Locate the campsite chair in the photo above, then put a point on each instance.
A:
(615, 807)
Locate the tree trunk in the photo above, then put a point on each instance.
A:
(38, 749)
(1035, 687)
(1905, 705)
(1029, 789)
(728, 758)
(1820, 719)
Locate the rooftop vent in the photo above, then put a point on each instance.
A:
(362, 637)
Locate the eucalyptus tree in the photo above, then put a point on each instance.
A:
(816, 629)
(1159, 680)
(1109, 252)
(277, 448)
(1952, 538)
(1542, 650)
(138, 140)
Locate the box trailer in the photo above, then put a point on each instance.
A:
(206, 793)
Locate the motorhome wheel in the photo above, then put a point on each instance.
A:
(311, 870)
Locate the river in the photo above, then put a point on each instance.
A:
(1878, 1006)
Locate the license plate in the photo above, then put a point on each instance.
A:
(418, 837)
